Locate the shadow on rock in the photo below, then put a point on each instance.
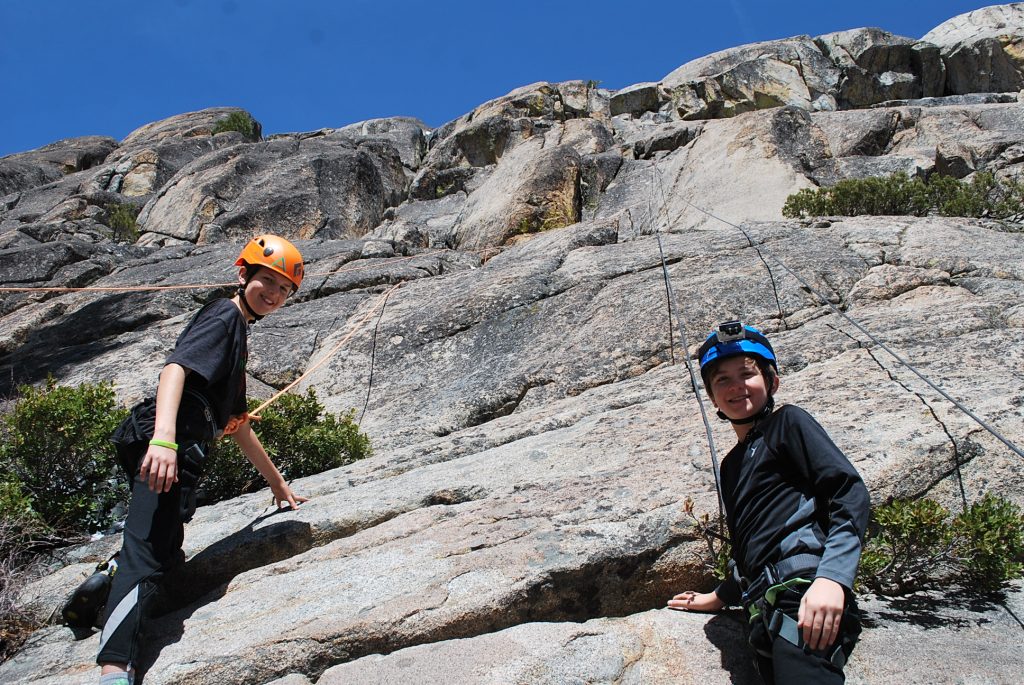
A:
(204, 578)
(727, 632)
(932, 611)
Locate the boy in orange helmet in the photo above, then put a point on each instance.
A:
(164, 442)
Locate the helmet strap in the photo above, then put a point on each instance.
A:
(245, 304)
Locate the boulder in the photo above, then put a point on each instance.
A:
(639, 98)
(49, 163)
(739, 169)
(405, 134)
(983, 50)
(792, 71)
(300, 188)
(181, 127)
(533, 189)
(129, 173)
(879, 66)
(661, 647)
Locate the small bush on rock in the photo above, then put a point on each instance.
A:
(237, 121)
(122, 220)
(298, 435)
(55, 445)
(983, 196)
(918, 545)
(718, 547)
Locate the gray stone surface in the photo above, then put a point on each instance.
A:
(301, 188)
(879, 66)
(49, 163)
(792, 71)
(983, 50)
(534, 431)
(662, 647)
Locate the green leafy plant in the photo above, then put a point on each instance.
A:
(121, 217)
(718, 547)
(990, 542)
(917, 545)
(237, 121)
(20, 532)
(983, 196)
(55, 446)
(298, 435)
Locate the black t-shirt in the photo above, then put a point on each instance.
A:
(213, 347)
(789, 490)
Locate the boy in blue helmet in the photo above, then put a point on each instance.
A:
(796, 511)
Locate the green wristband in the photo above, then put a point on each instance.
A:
(164, 443)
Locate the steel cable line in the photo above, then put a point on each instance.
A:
(959, 405)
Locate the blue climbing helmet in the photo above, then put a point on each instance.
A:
(731, 339)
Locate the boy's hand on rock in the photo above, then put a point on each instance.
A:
(821, 612)
(284, 495)
(696, 601)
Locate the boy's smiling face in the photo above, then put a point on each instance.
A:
(266, 291)
(738, 388)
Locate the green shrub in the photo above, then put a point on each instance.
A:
(299, 437)
(237, 121)
(56, 447)
(917, 545)
(719, 550)
(990, 542)
(983, 195)
(122, 220)
(20, 533)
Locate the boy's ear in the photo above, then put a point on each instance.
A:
(242, 272)
(775, 383)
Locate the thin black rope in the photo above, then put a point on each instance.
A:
(959, 405)
(668, 286)
(675, 310)
(924, 401)
(373, 356)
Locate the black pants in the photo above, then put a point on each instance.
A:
(792, 664)
(153, 536)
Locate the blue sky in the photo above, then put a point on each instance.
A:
(105, 67)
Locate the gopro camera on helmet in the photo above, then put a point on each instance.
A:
(728, 331)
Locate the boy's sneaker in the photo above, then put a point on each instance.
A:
(83, 610)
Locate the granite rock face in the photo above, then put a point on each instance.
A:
(534, 425)
(983, 50)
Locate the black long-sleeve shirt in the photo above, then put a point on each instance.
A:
(789, 490)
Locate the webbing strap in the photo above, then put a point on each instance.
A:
(772, 593)
(785, 626)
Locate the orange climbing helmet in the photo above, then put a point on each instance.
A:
(274, 252)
